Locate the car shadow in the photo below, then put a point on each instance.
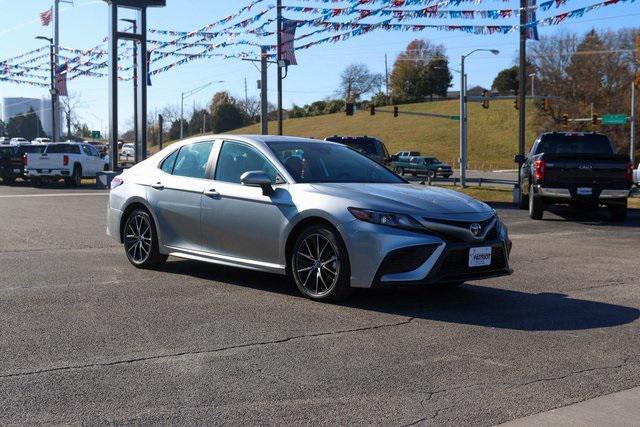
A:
(478, 305)
(598, 217)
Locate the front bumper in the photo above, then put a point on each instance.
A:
(370, 245)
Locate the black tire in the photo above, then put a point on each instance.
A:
(618, 212)
(447, 176)
(8, 180)
(400, 171)
(311, 266)
(76, 177)
(140, 240)
(523, 201)
(536, 205)
(431, 174)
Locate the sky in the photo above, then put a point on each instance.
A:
(317, 76)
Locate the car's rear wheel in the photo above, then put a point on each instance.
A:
(523, 200)
(319, 265)
(8, 180)
(141, 240)
(536, 205)
(76, 177)
(400, 171)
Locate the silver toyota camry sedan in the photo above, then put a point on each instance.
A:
(320, 212)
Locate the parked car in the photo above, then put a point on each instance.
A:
(323, 213)
(580, 169)
(128, 150)
(18, 141)
(370, 147)
(405, 155)
(69, 161)
(12, 159)
(42, 141)
(426, 166)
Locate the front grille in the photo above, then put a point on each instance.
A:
(454, 237)
(406, 259)
(461, 224)
(456, 263)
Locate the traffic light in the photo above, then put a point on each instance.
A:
(565, 120)
(372, 109)
(395, 111)
(595, 119)
(485, 101)
(349, 108)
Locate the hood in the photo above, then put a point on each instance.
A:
(426, 201)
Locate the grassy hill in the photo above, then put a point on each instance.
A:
(493, 135)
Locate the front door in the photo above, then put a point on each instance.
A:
(240, 222)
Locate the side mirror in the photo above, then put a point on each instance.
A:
(519, 159)
(257, 179)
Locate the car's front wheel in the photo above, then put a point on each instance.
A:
(141, 240)
(399, 171)
(319, 265)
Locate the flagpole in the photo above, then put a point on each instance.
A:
(279, 64)
(55, 101)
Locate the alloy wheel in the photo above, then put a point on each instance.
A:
(316, 265)
(137, 239)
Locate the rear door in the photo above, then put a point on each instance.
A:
(176, 195)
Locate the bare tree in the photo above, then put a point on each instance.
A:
(70, 105)
(357, 80)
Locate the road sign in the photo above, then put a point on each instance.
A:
(614, 119)
(457, 118)
(95, 134)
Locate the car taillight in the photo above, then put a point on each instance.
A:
(538, 170)
(25, 160)
(630, 172)
(116, 182)
(65, 160)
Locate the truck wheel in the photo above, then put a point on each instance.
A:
(431, 174)
(618, 213)
(536, 206)
(523, 201)
(76, 177)
(399, 171)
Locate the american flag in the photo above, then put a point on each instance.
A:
(288, 35)
(45, 17)
(61, 80)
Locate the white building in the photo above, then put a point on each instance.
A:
(12, 107)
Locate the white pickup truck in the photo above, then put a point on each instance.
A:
(69, 161)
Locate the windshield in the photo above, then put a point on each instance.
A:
(575, 144)
(315, 162)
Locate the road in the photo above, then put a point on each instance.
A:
(86, 338)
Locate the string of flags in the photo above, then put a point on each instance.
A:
(182, 47)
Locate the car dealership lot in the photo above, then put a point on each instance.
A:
(86, 337)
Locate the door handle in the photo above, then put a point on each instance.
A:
(211, 193)
(157, 186)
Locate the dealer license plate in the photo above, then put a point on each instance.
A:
(17, 171)
(584, 191)
(479, 257)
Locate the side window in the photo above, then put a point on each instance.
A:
(192, 160)
(167, 163)
(236, 159)
(74, 149)
(89, 151)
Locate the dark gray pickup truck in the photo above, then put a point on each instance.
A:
(579, 169)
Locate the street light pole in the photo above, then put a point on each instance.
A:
(187, 94)
(463, 115)
(52, 90)
(182, 116)
(533, 84)
(134, 24)
(279, 61)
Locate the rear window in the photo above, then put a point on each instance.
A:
(62, 149)
(6, 152)
(30, 149)
(575, 144)
(366, 146)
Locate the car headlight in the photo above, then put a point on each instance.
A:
(385, 218)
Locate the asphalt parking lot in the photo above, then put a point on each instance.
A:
(86, 338)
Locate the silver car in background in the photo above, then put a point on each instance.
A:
(321, 212)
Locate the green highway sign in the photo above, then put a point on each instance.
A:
(95, 134)
(455, 118)
(614, 119)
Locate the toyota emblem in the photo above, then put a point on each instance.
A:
(475, 229)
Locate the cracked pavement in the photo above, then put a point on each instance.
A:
(86, 338)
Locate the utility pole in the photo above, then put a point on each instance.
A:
(522, 75)
(55, 101)
(279, 59)
(264, 102)
(386, 78)
(161, 131)
(134, 24)
(633, 123)
(52, 90)
(246, 94)
(463, 115)
(182, 116)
